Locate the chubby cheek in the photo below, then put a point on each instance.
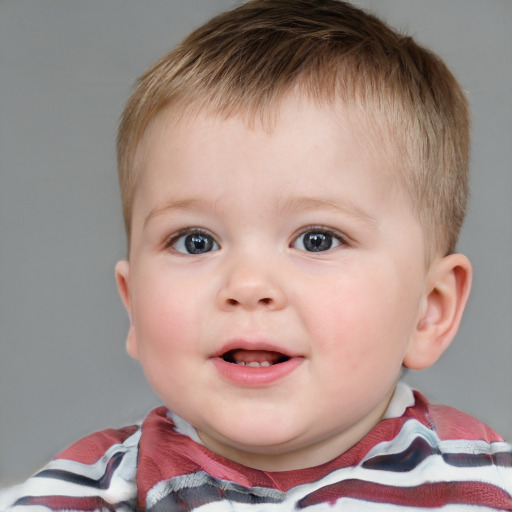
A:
(359, 329)
(165, 322)
(167, 349)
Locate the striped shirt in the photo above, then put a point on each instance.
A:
(420, 456)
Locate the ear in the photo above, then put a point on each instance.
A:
(123, 285)
(448, 282)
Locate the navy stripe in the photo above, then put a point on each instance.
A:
(409, 459)
(213, 490)
(67, 476)
(419, 450)
(460, 460)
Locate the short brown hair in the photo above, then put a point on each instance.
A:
(246, 60)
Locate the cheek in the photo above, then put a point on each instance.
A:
(167, 339)
(164, 315)
(360, 322)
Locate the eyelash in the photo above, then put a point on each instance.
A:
(340, 239)
(171, 242)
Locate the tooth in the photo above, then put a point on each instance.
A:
(256, 364)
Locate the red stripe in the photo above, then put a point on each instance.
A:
(429, 495)
(67, 503)
(92, 448)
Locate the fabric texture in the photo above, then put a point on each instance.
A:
(421, 456)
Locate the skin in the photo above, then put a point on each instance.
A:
(345, 318)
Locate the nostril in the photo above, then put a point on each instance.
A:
(265, 301)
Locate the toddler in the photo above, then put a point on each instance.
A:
(294, 179)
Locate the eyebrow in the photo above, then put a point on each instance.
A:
(346, 207)
(183, 205)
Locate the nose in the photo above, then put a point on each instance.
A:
(251, 285)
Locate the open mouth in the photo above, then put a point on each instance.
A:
(254, 358)
(256, 366)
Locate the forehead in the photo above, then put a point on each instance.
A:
(292, 114)
(306, 146)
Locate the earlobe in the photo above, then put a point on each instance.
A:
(123, 285)
(448, 283)
(132, 348)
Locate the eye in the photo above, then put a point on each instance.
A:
(317, 240)
(194, 242)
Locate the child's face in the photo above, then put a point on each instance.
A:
(275, 282)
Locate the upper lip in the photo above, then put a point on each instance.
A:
(254, 345)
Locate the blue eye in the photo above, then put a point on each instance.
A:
(317, 241)
(196, 242)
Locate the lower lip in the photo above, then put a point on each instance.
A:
(259, 376)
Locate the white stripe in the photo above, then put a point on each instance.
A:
(403, 397)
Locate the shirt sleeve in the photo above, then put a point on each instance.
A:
(96, 473)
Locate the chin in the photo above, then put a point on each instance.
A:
(260, 440)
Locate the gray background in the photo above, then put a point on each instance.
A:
(66, 67)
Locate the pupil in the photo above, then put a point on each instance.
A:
(316, 242)
(197, 243)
